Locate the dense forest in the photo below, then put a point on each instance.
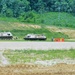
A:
(26, 8)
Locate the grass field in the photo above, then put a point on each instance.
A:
(60, 20)
(21, 29)
(23, 56)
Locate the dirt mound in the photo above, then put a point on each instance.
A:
(30, 69)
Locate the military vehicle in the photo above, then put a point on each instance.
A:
(6, 35)
(35, 37)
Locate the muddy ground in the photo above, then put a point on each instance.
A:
(30, 69)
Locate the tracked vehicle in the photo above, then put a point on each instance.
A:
(35, 37)
(6, 35)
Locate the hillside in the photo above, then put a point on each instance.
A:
(49, 24)
(60, 19)
(21, 29)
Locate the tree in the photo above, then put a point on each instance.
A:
(15, 8)
(9, 13)
(4, 8)
(73, 7)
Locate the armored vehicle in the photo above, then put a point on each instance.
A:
(6, 35)
(35, 37)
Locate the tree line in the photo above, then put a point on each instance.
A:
(19, 8)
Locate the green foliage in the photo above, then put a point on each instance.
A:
(29, 17)
(58, 19)
(40, 11)
(9, 13)
(15, 8)
(61, 19)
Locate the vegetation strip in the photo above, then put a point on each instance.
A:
(23, 56)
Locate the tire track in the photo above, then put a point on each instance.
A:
(3, 60)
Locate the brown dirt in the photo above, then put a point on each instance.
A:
(29, 69)
(67, 31)
(27, 25)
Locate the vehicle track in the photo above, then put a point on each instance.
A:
(3, 60)
(36, 45)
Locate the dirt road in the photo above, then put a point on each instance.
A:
(36, 69)
(36, 45)
(24, 69)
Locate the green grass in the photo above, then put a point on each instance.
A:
(9, 19)
(47, 19)
(22, 56)
(20, 31)
(60, 19)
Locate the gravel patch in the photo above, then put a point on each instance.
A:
(55, 61)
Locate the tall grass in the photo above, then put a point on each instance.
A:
(8, 19)
(61, 19)
(58, 19)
